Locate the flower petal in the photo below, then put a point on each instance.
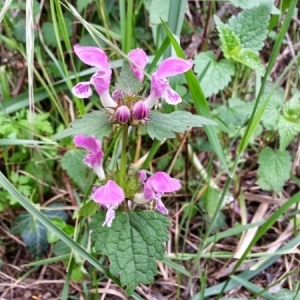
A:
(140, 58)
(171, 97)
(109, 194)
(140, 110)
(82, 90)
(110, 215)
(161, 182)
(173, 66)
(158, 87)
(101, 81)
(140, 198)
(92, 56)
(160, 206)
(88, 143)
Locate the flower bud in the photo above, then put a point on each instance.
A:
(142, 176)
(117, 95)
(123, 114)
(140, 110)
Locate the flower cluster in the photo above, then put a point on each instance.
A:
(123, 111)
(125, 108)
(111, 195)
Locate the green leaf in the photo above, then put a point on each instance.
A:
(94, 124)
(88, 209)
(289, 121)
(285, 294)
(250, 26)
(163, 126)
(82, 4)
(133, 243)
(271, 114)
(49, 34)
(231, 44)
(127, 82)
(33, 233)
(287, 129)
(250, 59)
(158, 10)
(218, 74)
(72, 163)
(274, 169)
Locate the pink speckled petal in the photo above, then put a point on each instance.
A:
(171, 97)
(88, 143)
(82, 90)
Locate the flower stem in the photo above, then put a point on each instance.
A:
(123, 163)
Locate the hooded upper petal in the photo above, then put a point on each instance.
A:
(173, 66)
(140, 58)
(92, 56)
(109, 194)
(94, 159)
(88, 143)
(160, 183)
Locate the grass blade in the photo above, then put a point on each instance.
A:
(199, 101)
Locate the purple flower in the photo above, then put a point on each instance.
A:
(140, 110)
(110, 196)
(123, 114)
(154, 188)
(95, 57)
(140, 58)
(159, 84)
(94, 159)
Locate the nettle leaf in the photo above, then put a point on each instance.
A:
(133, 244)
(88, 209)
(218, 74)
(289, 122)
(251, 26)
(82, 4)
(72, 163)
(274, 169)
(94, 124)
(251, 60)
(163, 126)
(127, 82)
(270, 117)
(231, 44)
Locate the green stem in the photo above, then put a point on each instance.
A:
(123, 163)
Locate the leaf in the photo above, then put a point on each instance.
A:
(163, 126)
(94, 124)
(236, 112)
(289, 121)
(133, 243)
(33, 233)
(274, 169)
(72, 163)
(250, 59)
(285, 294)
(127, 82)
(250, 26)
(218, 74)
(159, 10)
(88, 209)
(82, 4)
(231, 44)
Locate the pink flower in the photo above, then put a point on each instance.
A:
(140, 111)
(159, 85)
(94, 159)
(110, 196)
(95, 57)
(123, 114)
(140, 58)
(154, 188)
